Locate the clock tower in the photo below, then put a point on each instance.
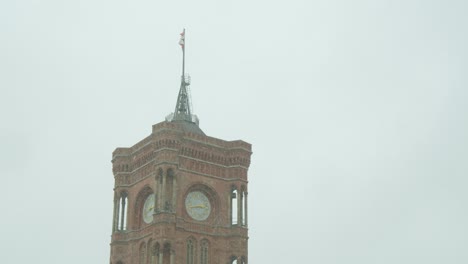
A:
(180, 196)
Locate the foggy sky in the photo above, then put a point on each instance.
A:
(357, 112)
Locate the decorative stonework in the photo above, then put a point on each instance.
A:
(170, 163)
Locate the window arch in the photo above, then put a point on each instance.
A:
(243, 260)
(190, 251)
(237, 260)
(167, 253)
(234, 205)
(233, 260)
(154, 253)
(149, 247)
(120, 212)
(160, 175)
(204, 253)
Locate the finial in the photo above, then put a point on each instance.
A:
(182, 44)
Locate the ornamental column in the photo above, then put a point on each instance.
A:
(174, 196)
(156, 195)
(239, 208)
(115, 224)
(161, 254)
(245, 207)
(163, 192)
(171, 260)
(160, 179)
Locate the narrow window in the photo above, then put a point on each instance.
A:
(119, 217)
(149, 246)
(154, 253)
(233, 260)
(190, 251)
(204, 252)
(122, 211)
(234, 206)
(167, 253)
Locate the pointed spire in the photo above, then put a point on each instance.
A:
(182, 110)
(183, 113)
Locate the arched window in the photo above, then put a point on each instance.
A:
(204, 256)
(243, 260)
(234, 209)
(154, 253)
(190, 246)
(121, 212)
(168, 253)
(233, 260)
(149, 251)
(243, 206)
(160, 173)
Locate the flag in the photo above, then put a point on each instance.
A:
(182, 39)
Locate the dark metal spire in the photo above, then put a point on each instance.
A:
(182, 115)
(182, 110)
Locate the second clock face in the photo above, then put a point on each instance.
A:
(148, 209)
(198, 205)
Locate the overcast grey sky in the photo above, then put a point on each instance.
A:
(357, 112)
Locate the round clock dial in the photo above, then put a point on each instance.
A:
(148, 209)
(197, 205)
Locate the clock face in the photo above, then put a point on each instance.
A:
(148, 209)
(197, 205)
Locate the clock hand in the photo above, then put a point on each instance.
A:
(198, 206)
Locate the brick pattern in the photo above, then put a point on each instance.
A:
(198, 162)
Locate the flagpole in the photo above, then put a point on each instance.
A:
(183, 58)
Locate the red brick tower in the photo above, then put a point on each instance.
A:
(180, 197)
